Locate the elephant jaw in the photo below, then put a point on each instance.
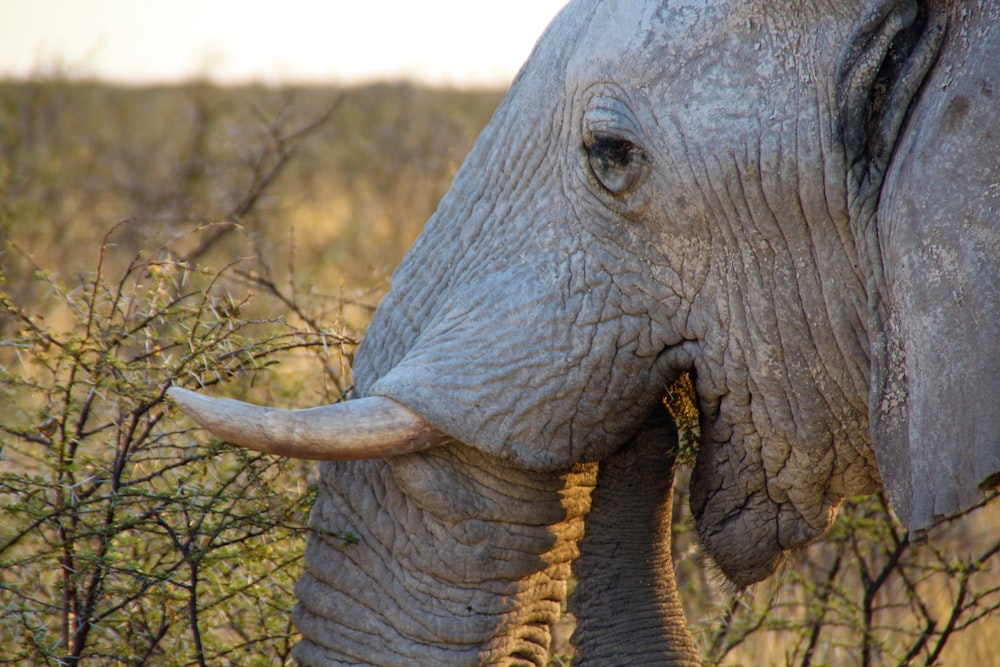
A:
(366, 428)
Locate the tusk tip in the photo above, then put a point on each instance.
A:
(179, 395)
(188, 401)
(208, 411)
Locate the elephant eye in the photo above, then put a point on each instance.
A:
(617, 164)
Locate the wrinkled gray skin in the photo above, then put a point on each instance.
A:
(796, 201)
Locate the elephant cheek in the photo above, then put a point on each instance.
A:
(936, 361)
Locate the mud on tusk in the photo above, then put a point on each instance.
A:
(364, 428)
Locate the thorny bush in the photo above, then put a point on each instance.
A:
(128, 537)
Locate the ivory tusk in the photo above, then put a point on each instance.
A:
(364, 428)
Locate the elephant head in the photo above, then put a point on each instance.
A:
(797, 203)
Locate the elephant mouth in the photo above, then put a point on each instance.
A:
(365, 428)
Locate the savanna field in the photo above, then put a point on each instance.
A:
(239, 239)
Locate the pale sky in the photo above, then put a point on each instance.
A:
(442, 42)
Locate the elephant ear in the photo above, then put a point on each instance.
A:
(882, 70)
(936, 429)
(935, 400)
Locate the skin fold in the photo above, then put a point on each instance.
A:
(797, 203)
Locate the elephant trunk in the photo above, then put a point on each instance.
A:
(446, 557)
(626, 603)
(936, 367)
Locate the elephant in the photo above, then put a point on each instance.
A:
(797, 203)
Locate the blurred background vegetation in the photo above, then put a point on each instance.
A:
(197, 235)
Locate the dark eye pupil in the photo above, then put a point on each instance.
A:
(617, 163)
(611, 152)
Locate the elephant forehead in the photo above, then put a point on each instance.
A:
(714, 62)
